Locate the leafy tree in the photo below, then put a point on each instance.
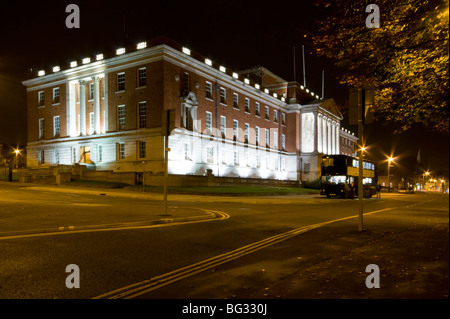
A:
(405, 59)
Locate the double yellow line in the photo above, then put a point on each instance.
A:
(154, 283)
(146, 286)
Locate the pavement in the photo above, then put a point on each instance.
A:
(409, 245)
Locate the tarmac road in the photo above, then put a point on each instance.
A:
(110, 258)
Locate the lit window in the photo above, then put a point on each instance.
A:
(223, 96)
(121, 150)
(142, 149)
(142, 77)
(56, 130)
(41, 128)
(55, 95)
(143, 114)
(247, 105)
(41, 98)
(121, 117)
(223, 125)
(121, 81)
(208, 90)
(235, 101)
(208, 123)
(257, 109)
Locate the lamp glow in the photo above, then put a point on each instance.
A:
(56, 69)
(86, 60)
(222, 69)
(246, 81)
(141, 45)
(208, 61)
(41, 73)
(186, 51)
(120, 51)
(99, 56)
(235, 75)
(73, 64)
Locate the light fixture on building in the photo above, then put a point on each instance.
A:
(73, 64)
(41, 73)
(246, 81)
(266, 91)
(222, 69)
(257, 86)
(275, 95)
(56, 69)
(141, 45)
(208, 61)
(99, 56)
(86, 60)
(186, 50)
(235, 75)
(120, 51)
(307, 90)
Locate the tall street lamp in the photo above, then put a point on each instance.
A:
(17, 152)
(390, 159)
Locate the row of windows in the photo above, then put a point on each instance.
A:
(256, 160)
(223, 126)
(223, 100)
(141, 79)
(141, 82)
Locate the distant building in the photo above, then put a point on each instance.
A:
(109, 112)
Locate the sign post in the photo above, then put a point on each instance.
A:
(169, 124)
(361, 112)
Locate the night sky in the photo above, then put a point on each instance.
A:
(237, 34)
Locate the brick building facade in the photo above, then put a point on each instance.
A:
(109, 112)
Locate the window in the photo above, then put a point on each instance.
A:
(121, 117)
(307, 168)
(210, 154)
(186, 82)
(246, 133)
(267, 112)
(235, 101)
(208, 122)
(41, 98)
(56, 96)
(257, 135)
(41, 128)
(267, 138)
(91, 91)
(121, 150)
(223, 96)
(257, 109)
(91, 122)
(247, 105)
(275, 140)
(275, 116)
(142, 149)
(283, 142)
(100, 153)
(41, 159)
(187, 151)
(283, 119)
(74, 155)
(121, 81)
(142, 77)
(236, 157)
(142, 114)
(56, 126)
(208, 90)
(235, 129)
(223, 125)
(56, 156)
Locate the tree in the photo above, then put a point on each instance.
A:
(405, 59)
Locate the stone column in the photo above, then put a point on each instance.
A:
(96, 104)
(319, 133)
(330, 151)
(338, 139)
(324, 135)
(333, 137)
(82, 99)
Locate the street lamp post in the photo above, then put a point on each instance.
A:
(390, 159)
(17, 151)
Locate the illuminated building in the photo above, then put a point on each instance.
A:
(108, 112)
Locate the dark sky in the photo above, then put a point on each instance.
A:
(237, 34)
